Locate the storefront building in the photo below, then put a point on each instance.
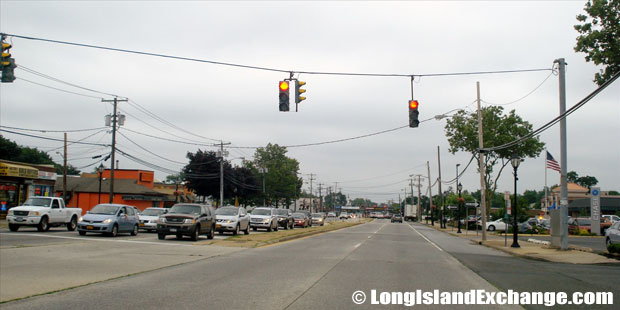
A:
(18, 181)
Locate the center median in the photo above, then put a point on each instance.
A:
(258, 240)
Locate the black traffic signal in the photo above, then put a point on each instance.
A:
(7, 64)
(299, 91)
(284, 96)
(413, 114)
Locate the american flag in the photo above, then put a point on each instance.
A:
(552, 164)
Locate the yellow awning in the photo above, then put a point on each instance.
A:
(13, 170)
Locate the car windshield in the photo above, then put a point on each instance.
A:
(317, 215)
(281, 212)
(226, 211)
(104, 209)
(38, 202)
(583, 222)
(185, 209)
(298, 215)
(152, 212)
(261, 212)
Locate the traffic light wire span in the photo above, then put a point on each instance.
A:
(274, 69)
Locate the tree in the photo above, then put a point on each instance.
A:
(585, 181)
(281, 181)
(498, 129)
(202, 174)
(175, 178)
(10, 150)
(599, 33)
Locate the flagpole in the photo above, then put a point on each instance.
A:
(546, 190)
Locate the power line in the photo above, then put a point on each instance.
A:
(46, 130)
(52, 139)
(273, 69)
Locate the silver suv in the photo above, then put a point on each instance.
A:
(264, 218)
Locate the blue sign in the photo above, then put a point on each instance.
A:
(595, 192)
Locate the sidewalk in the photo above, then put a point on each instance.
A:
(530, 249)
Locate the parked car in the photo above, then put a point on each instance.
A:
(577, 224)
(497, 225)
(264, 218)
(110, 219)
(42, 213)
(546, 224)
(149, 217)
(331, 214)
(344, 215)
(318, 218)
(396, 218)
(232, 219)
(285, 218)
(187, 219)
(612, 236)
(301, 220)
(612, 218)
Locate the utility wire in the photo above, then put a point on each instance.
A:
(272, 69)
(52, 139)
(45, 130)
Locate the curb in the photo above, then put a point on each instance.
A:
(303, 235)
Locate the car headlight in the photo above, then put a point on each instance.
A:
(81, 219)
(189, 221)
(231, 221)
(10, 212)
(108, 221)
(34, 213)
(266, 220)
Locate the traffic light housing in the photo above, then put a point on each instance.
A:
(7, 64)
(299, 91)
(413, 114)
(284, 89)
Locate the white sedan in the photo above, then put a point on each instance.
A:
(498, 224)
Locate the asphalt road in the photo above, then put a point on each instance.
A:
(319, 272)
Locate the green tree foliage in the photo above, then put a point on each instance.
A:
(585, 181)
(599, 32)
(281, 181)
(10, 150)
(498, 129)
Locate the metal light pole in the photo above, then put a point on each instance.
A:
(515, 161)
(459, 187)
(100, 170)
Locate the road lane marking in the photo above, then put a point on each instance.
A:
(89, 239)
(357, 245)
(421, 235)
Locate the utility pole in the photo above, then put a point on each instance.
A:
(430, 193)
(419, 202)
(115, 117)
(311, 199)
(64, 173)
(563, 158)
(443, 205)
(320, 197)
(483, 190)
(221, 156)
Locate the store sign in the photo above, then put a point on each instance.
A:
(46, 175)
(595, 210)
(11, 170)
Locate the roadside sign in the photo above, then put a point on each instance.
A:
(595, 210)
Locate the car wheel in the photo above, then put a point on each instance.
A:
(491, 228)
(161, 236)
(236, 232)
(269, 229)
(135, 231)
(82, 233)
(114, 231)
(196, 233)
(211, 233)
(276, 228)
(44, 224)
(13, 227)
(72, 224)
(254, 228)
(247, 229)
(220, 232)
(285, 226)
(179, 236)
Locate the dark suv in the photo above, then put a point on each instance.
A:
(187, 219)
(285, 218)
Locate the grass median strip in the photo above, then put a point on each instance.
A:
(258, 240)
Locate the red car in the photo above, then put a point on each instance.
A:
(301, 220)
(577, 224)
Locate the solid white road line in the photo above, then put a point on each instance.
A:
(421, 235)
(91, 239)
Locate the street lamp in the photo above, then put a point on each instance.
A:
(515, 161)
(100, 171)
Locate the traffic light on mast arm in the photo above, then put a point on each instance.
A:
(413, 114)
(7, 64)
(284, 89)
(299, 91)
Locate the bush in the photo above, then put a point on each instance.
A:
(613, 248)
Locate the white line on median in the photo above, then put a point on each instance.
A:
(421, 235)
(89, 239)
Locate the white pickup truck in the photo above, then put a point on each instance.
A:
(43, 213)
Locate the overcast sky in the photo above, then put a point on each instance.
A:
(240, 105)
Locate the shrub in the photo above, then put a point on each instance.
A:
(613, 248)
